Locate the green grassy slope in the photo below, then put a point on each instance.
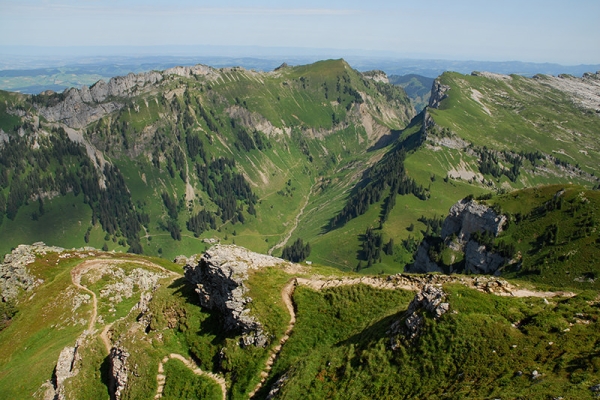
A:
(556, 234)
(485, 347)
(519, 114)
(339, 347)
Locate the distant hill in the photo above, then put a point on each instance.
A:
(34, 74)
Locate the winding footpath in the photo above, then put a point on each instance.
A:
(286, 295)
(161, 378)
(393, 282)
(89, 265)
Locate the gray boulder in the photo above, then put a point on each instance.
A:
(430, 299)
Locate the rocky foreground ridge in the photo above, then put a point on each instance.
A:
(14, 274)
(220, 276)
(464, 219)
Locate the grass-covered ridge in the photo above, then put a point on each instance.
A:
(515, 113)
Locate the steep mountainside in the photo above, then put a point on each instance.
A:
(157, 162)
(316, 161)
(547, 235)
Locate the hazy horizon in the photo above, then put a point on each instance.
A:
(527, 30)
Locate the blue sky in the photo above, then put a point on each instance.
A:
(566, 32)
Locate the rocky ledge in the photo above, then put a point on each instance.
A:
(220, 276)
(14, 274)
(77, 108)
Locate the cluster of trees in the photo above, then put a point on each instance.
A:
(387, 174)
(371, 247)
(411, 244)
(115, 210)
(297, 252)
(8, 310)
(489, 162)
(226, 187)
(201, 222)
(59, 164)
(487, 239)
(248, 141)
(433, 225)
(172, 208)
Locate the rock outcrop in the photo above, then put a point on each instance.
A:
(14, 274)
(438, 93)
(465, 218)
(377, 76)
(429, 299)
(118, 357)
(220, 276)
(77, 108)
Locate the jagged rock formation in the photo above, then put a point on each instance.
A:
(430, 299)
(118, 358)
(377, 76)
(220, 276)
(80, 107)
(14, 275)
(276, 388)
(465, 218)
(438, 93)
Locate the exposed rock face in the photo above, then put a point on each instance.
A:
(377, 76)
(465, 218)
(481, 261)
(14, 275)
(79, 107)
(438, 93)
(66, 368)
(118, 358)
(220, 276)
(430, 299)
(276, 388)
(422, 261)
(75, 112)
(585, 91)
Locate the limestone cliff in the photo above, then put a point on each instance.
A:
(220, 277)
(465, 218)
(438, 93)
(77, 108)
